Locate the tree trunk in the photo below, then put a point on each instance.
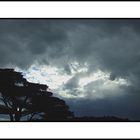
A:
(17, 116)
(11, 117)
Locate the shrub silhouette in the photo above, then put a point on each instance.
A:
(23, 100)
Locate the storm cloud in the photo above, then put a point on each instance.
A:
(111, 46)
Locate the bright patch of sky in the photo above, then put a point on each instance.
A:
(77, 68)
(46, 75)
(98, 82)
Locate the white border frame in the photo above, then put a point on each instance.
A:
(69, 10)
(69, 130)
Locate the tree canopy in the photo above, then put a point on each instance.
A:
(26, 101)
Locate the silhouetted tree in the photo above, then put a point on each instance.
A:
(21, 99)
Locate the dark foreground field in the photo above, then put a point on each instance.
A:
(90, 119)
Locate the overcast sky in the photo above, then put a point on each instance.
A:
(93, 64)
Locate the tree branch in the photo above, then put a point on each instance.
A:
(32, 115)
(11, 115)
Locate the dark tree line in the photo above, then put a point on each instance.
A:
(23, 100)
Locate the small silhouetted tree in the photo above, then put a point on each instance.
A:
(28, 101)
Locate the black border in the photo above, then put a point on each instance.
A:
(69, 0)
(68, 18)
(76, 18)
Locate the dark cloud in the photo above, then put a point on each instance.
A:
(30, 39)
(124, 106)
(110, 45)
(72, 85)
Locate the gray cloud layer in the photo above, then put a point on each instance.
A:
(111, 45)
